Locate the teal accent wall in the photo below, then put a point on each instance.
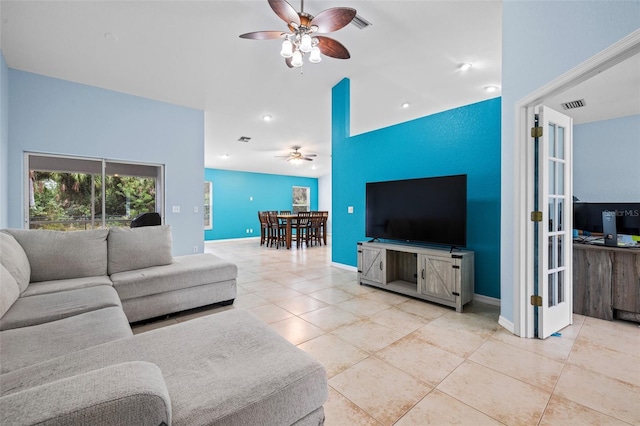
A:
(560, 35)
(238, 196)
(61, 117)
(463, 140)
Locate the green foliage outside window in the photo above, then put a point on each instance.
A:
(63, 201)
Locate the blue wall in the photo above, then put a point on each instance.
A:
(464, 140)
(4, 142)
(615, 142)
(559, 35)
(56, 116)
(233, 210)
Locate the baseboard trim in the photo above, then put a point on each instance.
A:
(508, 325)
(224, 240)
(486, 299)
(343, 266)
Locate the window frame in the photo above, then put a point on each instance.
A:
(92, 164)
(208, 224)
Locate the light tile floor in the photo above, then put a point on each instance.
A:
(396, 360)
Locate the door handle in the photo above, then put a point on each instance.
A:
(381, 265)
(422, 274)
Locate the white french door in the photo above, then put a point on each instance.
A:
(555, 231)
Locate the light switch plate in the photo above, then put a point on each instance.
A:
(350, 209)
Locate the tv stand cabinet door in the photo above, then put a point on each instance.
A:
(438, 278)
(372, 264)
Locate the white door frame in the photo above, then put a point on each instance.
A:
(523, 318)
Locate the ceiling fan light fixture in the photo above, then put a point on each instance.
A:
(287, 49)
(296, 60)
(305, 43)
(315, 57)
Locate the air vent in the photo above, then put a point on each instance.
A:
(244, 139)
(360, 22)
(574, 104)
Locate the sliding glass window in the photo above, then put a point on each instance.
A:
(68, 193)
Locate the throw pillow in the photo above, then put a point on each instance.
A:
(14, 258)
(137, 248)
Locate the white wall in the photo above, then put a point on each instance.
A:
(4, 142)
(606, 160)
(324, 197)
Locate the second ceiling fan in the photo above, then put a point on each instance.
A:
(304, 32)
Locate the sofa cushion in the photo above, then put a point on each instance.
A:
(58, 255)
(229, 368)
(14, 258)
(137, 248)
(43, 308)
(29, 345)
(44, 287)
(185, 271)
(132, 393)
(9, 290)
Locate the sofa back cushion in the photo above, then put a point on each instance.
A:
(14, 259)
(9, 290)
(59, 255)
(137, 248)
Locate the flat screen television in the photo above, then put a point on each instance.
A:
(588, 217)
(425, 210)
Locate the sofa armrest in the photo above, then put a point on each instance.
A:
(131, 393)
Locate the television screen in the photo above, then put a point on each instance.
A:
(429, 210)
(588, 217)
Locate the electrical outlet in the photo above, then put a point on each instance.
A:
(247, 230)
(195, 249)
(251, 230)
(175, 209)
(350, 209)
(195, 209)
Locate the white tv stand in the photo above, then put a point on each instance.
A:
(432, 274)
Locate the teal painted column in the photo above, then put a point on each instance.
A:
(340, 132)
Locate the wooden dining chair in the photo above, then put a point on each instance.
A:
(302, 228)
(264, 227)
(276, 230)
(314, 232)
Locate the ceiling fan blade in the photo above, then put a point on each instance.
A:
(333, 19)
(332, 48)
(263, 35)
(285, 11)
(311, 155)
(306, 159)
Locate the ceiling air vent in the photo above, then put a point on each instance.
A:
(360, 22)
(244, 139)
(573, 104)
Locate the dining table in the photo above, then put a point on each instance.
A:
(291, 218)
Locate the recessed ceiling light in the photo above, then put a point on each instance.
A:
(266, 117)
(314, 167)
(405, 105)
(466, 66)
(111, 36)
(491, 89)
(224, 156)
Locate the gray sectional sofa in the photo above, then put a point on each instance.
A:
(68, 355)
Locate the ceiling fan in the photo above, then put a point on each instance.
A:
(296, 156)
(305, 28)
